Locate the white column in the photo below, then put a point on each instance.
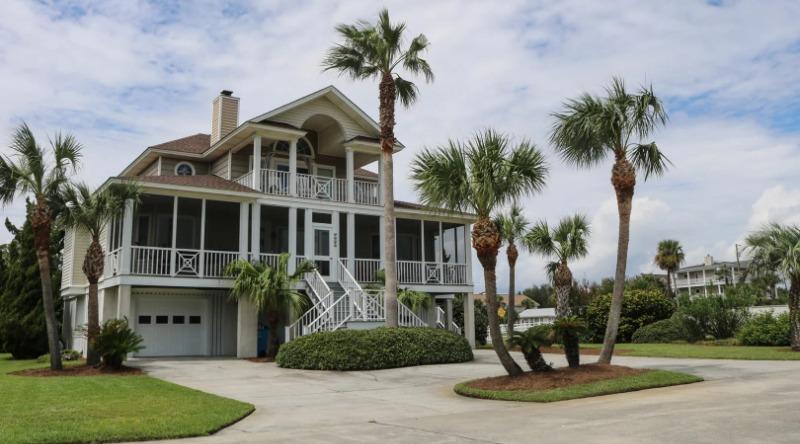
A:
(351, 243)
(172, 254)
(468, 251)
(127, 237)
(292, 239)
(293, 167)
(243, 215)
(247, 329)
(348, 155)
(309, 236)
(469, 319)
(255, 231)
(124, 303)
(380, 178)
(381, 237)
(202, 270)
(257, 162)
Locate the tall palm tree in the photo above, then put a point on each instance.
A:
(512, 226)
(669, 257)
(565, 242)
(270, 290)
(91, 213)
(588, 131)
(27, 172)
(479, 176)
(777, 247)
(377, 51)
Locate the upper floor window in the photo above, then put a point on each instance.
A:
(184, 169)
(303, 147)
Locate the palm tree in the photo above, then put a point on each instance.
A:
(669, 257)
(27, 172)
(529, 342)
(478, 176)
(270, 290)
(511, 226)
(376, 51)
(777, 247)
(91, 213)
(565, 242)
(588, 131)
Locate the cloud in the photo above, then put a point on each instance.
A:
(776, 205)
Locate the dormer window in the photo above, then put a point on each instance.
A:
(184, 169)
(303, 147)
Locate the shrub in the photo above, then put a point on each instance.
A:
(66, 355)
(115, 341)
(714, 316)
(374, 349)
(529, 342)
(663, 331)
(481, 318)
(639, 308)
(765, 329)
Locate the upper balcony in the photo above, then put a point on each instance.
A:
(309, 186)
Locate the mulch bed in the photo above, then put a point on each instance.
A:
(261, 359)
(559, 377)
(80, 370)
(584, 351)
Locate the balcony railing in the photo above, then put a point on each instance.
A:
(313, 187)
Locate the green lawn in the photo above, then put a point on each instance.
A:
(78, 409)
(647, 380)
(704, 351)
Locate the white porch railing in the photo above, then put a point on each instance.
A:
(326, 314)
(215, 262)
(324, 188)
(310, 186)
(414, 272)
(441, 321)
(407, 318)
(366, 270)
(153, 261)
(184, 262)
(366, 192)
(268, 259)
(275, 182)
(245, 180)
(112, 262)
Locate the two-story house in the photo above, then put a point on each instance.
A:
(291, 180)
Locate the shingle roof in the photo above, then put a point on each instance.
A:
(366, 174)
(200, 181)
(196, 144)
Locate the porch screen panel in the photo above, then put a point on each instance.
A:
(188, 227)
(367, 237)
(222, 226)
(274, 229)
(152, 221)
(451, 249)
(408, 240)
(432, 241)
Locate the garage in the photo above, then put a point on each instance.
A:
(184, 322)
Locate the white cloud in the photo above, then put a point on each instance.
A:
(776, 204)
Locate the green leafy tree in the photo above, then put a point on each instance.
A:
(378, 51)
(481, 317)
(589, 130)
(646, 281)
(512, 227)
(91, 213)
(640, 308)
(480, 176)
(541, 294)
(777, 247)
(270, 290)
(669, 258)
(28, 172)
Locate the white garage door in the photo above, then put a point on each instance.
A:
(173, 325)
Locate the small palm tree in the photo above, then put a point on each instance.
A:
(568, 329)
(415, 300)
(512, 226)
(566, 242)
(478, 176)
(529, 342)
(270, 290)
(92, 212)
(669, 257)
(377, 51)
(777, 247)
(588, 131)
(27, 172)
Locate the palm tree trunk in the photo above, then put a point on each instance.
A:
(572, 349)
(536, 361)
(623, 177)
(794, 314)
(40, 223)
(93, 269)
(386, 111)
(669, 283)
(512, 291)
(562, 281)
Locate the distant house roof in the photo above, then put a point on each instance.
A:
(194, 144)
(199, 181)
(538, 313)
(725, 264)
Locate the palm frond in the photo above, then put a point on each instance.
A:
(649, 159)
(406, 91)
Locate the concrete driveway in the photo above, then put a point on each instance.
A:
(740, 401)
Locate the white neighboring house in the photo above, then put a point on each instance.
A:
(207, 203)
(532, 317)
(696, 279)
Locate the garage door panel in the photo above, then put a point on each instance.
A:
(173, 325)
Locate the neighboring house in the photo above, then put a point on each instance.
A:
(709, 276)
(207, 203)
(502, 299)
(532, 317)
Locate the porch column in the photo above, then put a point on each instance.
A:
(380, 179)
(381, 237)
(468, 251)
(172, 253)
(202, 238)
(292, 239)
(257, 162)
(124, 306)
(243, 214)
(127, 237)
(351, 243)
(308, 244)
(469, 318)
(348, 154)
(255, 231)
(247, 329)
(448, 311)
(293, 167)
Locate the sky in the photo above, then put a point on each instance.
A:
(124, 75)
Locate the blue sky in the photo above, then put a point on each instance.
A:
(124, 75)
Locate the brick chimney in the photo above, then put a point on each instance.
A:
(224, 115)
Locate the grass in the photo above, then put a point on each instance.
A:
(83, 409)
(642, 381)
(700, 351)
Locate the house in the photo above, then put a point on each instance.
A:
(709, 276)
(532, 317)
(521, 302)
(293, 180)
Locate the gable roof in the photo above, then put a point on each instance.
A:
(199, 181)
(194, 144)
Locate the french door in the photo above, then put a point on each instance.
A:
(323, 249)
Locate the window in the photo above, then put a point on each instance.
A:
(194, 319)
(321, 218)
(178, 319)
(144, 319)
(184, 169)
(162, 319)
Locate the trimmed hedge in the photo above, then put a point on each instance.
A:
(663, 331)
(374, 349)
(765, 329)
